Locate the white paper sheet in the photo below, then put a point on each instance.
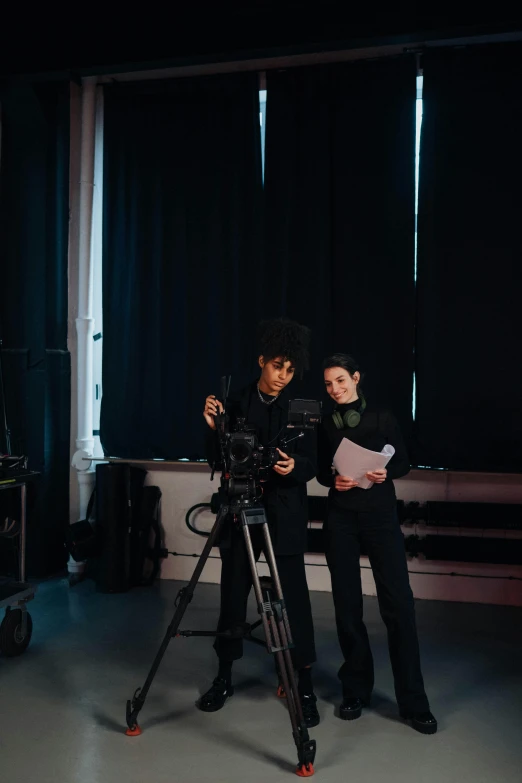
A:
(355, 461)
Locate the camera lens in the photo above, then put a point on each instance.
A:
(240, 452)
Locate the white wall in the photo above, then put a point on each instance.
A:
(184, 485)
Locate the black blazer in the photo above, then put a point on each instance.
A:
(284, 497)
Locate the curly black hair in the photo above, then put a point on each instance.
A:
(287, 339)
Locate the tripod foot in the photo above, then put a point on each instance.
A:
(134, 732)
(305, 771)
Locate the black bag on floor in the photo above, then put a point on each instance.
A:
(119, 489)
(145, 539)
(82, 537)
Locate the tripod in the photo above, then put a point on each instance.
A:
(271, 607)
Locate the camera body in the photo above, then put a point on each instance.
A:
(246, 456)
(246, 465)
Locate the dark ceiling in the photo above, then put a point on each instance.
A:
(104, 41)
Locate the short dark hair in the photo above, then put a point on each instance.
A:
(287, 339)
(343, 360)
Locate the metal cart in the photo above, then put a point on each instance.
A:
(17, 626)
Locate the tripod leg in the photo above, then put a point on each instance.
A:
(278, 636)
(306, 748)
(185, 595)
(262, 607)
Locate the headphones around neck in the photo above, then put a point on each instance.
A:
(350, 418)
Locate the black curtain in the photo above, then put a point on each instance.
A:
(182, 287)
(469, 328)
(340, 190)
(34, 217)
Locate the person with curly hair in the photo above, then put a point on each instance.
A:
(283, 353)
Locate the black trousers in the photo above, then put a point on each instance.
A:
(383, 542)
(236, 583)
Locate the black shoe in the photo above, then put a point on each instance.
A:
(214, 699)
(351, 708)
(421, 721)
(310, 711)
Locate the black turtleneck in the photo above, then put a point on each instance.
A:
(375, 430)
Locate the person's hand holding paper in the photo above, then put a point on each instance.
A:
(377, 476)
(344, 483)
(351, 460)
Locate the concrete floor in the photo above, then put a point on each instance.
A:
(62, 705)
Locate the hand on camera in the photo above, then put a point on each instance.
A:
(285, 465)
(377, 476)
(344, 483)
(212, 408)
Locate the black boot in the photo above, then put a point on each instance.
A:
(424, 722)
(310, 711)
(215, 698)
(351, 708)
(308, 698)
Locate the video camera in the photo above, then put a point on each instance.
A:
(245, 463)
(246, 456)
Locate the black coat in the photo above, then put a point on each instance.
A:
(284, 497)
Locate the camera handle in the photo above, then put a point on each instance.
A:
(286, 441)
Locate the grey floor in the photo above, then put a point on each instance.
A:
(62, 703)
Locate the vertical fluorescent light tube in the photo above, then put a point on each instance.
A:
(418, 126)
(262, 122)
